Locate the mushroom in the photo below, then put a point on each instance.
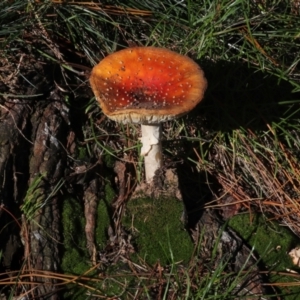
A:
(147, 85)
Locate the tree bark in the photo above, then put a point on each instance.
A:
(38, 167)
(48, 160)
(13, 176)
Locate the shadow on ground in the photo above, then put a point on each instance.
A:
(242, 97)
(238, 97)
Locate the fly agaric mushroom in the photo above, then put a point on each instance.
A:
(147, 85)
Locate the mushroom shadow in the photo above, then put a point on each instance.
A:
(196, 190)
(237, 97)
(242, 97)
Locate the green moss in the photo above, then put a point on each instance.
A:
(82, 153)
(119, 281)
(75, 257)
(104, 213)
(272, 243)
(108, 158)
(159, 233)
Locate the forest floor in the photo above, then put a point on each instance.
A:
(77, 220)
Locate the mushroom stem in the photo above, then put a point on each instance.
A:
(151, 149)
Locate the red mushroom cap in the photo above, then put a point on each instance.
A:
(147, 85)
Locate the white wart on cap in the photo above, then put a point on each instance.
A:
(147, 85)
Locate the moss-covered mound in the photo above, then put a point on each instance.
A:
(272, 243)
(158, 232)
